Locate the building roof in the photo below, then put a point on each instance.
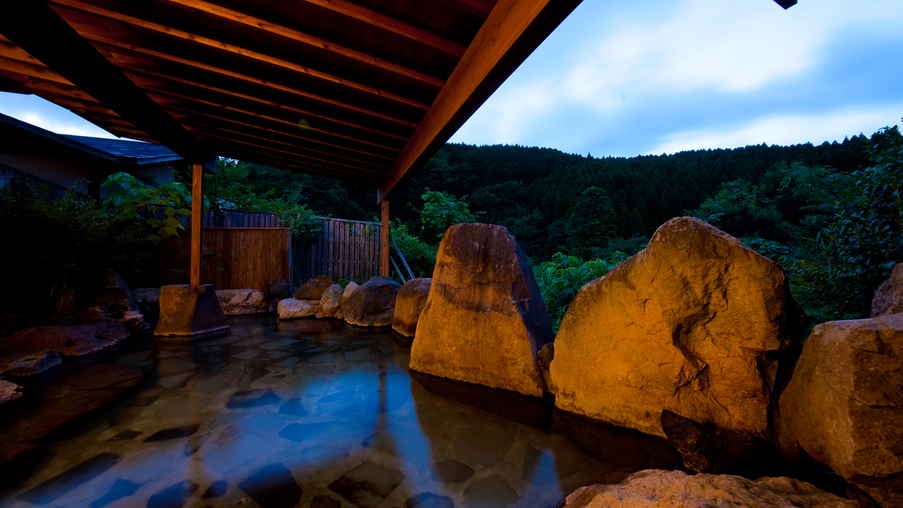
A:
(127, 150)
(18, 137)
(359, 90)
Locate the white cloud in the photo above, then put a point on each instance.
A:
(610, 64)
(786, 130)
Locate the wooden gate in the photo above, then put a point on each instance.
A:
(346, 249)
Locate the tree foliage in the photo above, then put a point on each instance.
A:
(128, 195)
(442, 210)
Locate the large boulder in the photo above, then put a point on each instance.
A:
(188, 311)
(696, 323)
(236, 302)
(372, 304)
(349, 290)
(844, 404)
(114, 294)
(656, 488)
(313, 289)
(484, 320)
(331, 300)
(294, 309)
(889, 296)
(67, 340)
(409, 304)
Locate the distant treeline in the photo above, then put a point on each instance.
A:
(830, 214)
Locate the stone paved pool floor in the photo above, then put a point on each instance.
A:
(300, 413)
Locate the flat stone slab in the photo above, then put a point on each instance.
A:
(67, 340)
(367, 485)
(32, 364)
(8, 391)
(273, 487)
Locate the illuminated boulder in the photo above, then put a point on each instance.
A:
(655, 488)
(187, 311)
(290, 308)
(844, 404)
(484, 320)
(696, 323)
(409, 304)
(372, 303)
(331, 300)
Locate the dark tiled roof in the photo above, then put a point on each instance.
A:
(138, 151)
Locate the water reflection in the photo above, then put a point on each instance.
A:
(318, 414)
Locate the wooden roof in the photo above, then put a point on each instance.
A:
(359, 90)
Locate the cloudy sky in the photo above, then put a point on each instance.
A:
(661, 76)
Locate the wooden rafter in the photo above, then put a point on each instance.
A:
(292, 153)
(134, 74)
(166, 96)
(156, 86)
(188, 113)
(298, 36)
(113, 55)
(243, 52)
(242, 136)
(390, 24)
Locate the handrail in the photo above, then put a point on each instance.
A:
(403, 261)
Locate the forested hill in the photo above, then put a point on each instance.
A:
(831, 215)
(552, 201)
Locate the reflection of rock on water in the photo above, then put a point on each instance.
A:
(515, 448)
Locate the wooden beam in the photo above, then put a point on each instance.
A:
(388, 23)
(188, 113)
(166, 94)
(238, 136)
(303, 38)
(384, 239)
(236, 152)
(512, 31)
(135, 74)
(197, 213)
(41, 32)
(236, 50)
(294, 154)
(115, 56)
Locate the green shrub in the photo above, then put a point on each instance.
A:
(561, 278)
(421, 256)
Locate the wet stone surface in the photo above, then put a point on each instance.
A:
(304, 413)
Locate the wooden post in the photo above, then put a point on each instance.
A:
(384, 240)
(197, 211)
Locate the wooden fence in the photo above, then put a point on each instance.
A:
(346, 249)
(234, 258)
